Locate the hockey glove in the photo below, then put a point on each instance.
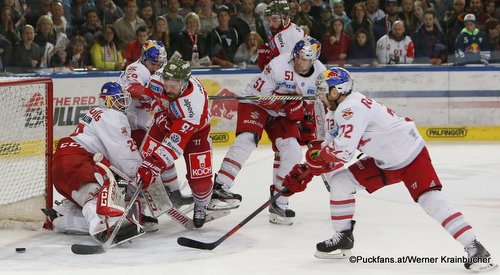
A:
(316, 165)
(293, 110)
(149, 171)
(264, 55)
(297, 180)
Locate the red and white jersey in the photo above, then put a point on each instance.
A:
(364, 124)
(285, 39)
(280, 78)
(138, 114)
(178, 120)
(390, 51)
(107, 131)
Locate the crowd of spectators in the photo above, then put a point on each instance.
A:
(106, 34)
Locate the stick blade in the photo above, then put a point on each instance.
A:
(83, 249)
(195, 244)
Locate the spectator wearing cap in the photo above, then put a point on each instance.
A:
(223, 41)
(383, 26)
(322, 26)
(208, 18)
(430, 44)
(493, 37)
(471, 46)
(339, 11)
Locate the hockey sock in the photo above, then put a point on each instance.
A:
(237, 155)
(440, 208)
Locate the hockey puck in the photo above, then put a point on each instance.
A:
(21, 249)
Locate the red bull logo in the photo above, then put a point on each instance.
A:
(224, 108)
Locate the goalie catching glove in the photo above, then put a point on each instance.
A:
(297, 180)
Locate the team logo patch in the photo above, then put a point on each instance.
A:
(176, 111)
(155, 87)
(124, 131)
(200, 165)
(175, 138)
(254, 115)
(347, 114)
(267, 69)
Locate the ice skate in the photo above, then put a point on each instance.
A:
(223, 199)
(280, 216)
(479, 258)
(149, 223)
(338, 247)
(178, 200)
(199, 216)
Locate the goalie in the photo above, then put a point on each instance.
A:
(94, 200)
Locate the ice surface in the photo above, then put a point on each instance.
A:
(389, 224)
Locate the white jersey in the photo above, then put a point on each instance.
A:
(390, 51)
(364, 124)
(138, 116)
(107, 131)
(280, 78)
(284, 41)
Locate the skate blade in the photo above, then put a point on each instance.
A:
(219, 205)
(336, 254)
(216, 215)
(480, 267)
(276, 219)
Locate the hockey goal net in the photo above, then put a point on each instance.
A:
(25, 149)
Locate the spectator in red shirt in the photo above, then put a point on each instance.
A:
(335, 45)
(132, 51)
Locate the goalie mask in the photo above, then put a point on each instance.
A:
(114, 97)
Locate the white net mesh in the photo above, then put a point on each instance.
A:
(23, 143)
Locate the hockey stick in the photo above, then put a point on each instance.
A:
(209, 246)
(84, 249)
(158, 202)
(265, 97)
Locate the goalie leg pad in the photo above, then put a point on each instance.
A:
(111, 198)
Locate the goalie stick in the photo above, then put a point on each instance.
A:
(209, 246)
(259, 97)
(158, 202)
(84, 249)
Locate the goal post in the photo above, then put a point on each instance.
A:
(26, 147)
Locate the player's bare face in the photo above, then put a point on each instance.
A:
(274, 21)
(152, 66)
(329, 98)
(301, 65)
(172, 88)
